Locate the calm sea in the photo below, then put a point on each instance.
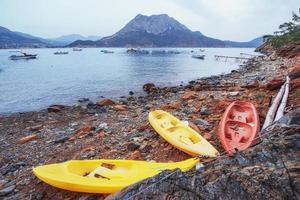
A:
(27, 85)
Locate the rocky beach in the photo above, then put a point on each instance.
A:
(119, 129)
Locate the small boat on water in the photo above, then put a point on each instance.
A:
(198, 56)
(23, 55)
(77, 49)
(137, 51)
(107, 51)
(158, 52)
(173, 52)
(201, 50)
(61, 53)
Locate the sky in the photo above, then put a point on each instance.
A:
(239, 20)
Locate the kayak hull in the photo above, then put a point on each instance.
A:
(103, 176)
(238, 127)
(180, 135)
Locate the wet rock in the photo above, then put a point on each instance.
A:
(194, 126)
(81, 100)
(188, 95)
(295, 84)
(144, 127)
(84, 130)
(174, 105)
(131, 93)
(291, 118)
(91, 105)
(295, 73)
(26, 139)
(136, 155)
(290, 50)
(275, 83)
(121, 107)
(222, 104)
(132, 146)
(61, 139)
(88, 152)
(103, 126)
(124, 101)
(105, 102)
(242, 159)
(37, 127)
(207, 136)
(204, 111)
(250, 84)
(11, 168)
(2, 183)
(146, 148)
(201, 122)
(149, 87)
(233, 94)
(55, 108)
(147, 107)
(7, 190)
(197, 87)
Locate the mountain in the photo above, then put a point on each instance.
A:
(158, 31)
(10, 39)
(155, 31)
(250, 44)
(67, 39)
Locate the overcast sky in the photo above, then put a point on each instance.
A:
(239, 20)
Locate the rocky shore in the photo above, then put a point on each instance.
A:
(120, 130)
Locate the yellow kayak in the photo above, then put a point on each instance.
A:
(180, 135)
(103, 176)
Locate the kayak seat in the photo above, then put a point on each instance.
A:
(180, 134)
(238, 133)
(165, 123)
(104, 172)
(242, 114)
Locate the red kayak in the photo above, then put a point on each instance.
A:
(239, 126)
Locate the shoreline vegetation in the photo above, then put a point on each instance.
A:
(119, 129)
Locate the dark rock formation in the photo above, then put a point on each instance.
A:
(269, 170)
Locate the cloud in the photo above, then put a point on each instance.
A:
(225, 19)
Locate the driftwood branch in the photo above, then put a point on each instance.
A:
(282, 105)
(272, 110)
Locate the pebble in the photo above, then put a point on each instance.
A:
(132, 146)
(7, 190)
(83, 100)
(61, 139)
(204, 110)
(103, 126)
(2, 183)
(203, 123)
(233, 94)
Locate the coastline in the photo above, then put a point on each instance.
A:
(121, 130)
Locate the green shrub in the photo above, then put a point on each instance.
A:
(289, 33)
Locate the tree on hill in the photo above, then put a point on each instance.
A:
(289, 32)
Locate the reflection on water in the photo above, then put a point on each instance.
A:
(34, 84)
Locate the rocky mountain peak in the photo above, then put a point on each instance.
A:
(154, 24)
